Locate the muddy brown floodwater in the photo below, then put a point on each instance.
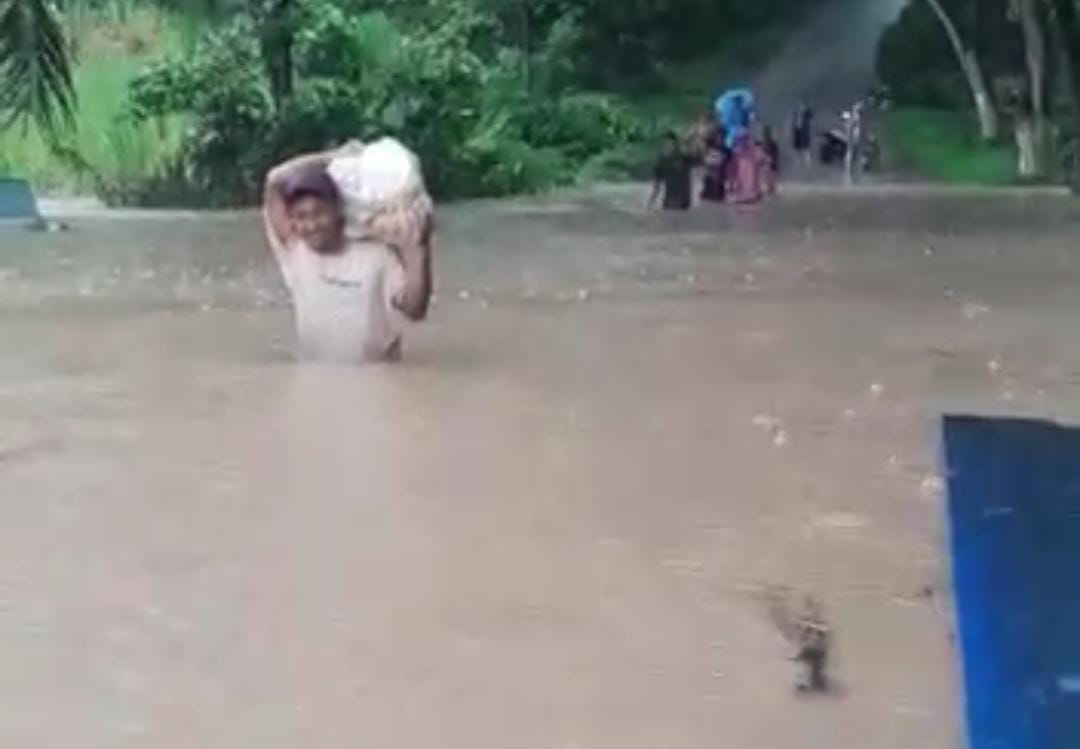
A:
(553, 523)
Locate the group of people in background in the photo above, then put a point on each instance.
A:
(737, 157)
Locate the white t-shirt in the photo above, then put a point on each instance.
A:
(342, 303)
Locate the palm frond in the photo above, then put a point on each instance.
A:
(35, 68)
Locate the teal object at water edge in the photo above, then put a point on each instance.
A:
(17, 203)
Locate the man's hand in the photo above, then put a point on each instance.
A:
(412, 301)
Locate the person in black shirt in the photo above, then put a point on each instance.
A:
(672, 176)
(716, 160)
(802, 126)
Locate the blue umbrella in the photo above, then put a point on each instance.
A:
(735, 110)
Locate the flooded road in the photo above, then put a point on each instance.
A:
(552, 524)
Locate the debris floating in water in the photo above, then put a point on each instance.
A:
(994, 366)
(771, 426)
(973, 311)
(803, 625)
(877, 389)
(932, 487)
(583, 295)
(464, 295)
(841, 521)
(765, 422)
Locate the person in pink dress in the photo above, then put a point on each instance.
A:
(745, 171)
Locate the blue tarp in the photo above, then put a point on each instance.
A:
(1014, 509)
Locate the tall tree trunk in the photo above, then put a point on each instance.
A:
(989, 124)
(526, 43)
(274, 18)
(1035, 62)
(1065, 28)
(1027, 148)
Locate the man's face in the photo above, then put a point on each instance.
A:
(318, 222)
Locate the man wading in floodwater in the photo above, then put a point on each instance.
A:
(354, 269)
(672, 176)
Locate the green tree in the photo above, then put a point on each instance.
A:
(35, 67)
(1064, 21)
(276, 27)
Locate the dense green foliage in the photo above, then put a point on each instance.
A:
(1016, 63)
(445, 88)
(919, 67)
(498, 96)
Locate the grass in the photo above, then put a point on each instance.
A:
(945, 147)
(111, 46)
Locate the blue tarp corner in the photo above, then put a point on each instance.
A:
(1014, 514)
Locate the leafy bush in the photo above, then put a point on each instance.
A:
(485, 118)
(222, 89)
